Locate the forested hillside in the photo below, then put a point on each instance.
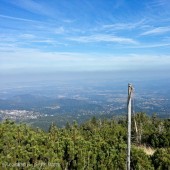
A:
(96, 144)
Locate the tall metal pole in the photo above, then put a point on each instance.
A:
(129, 106)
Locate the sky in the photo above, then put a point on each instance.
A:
(84, 35)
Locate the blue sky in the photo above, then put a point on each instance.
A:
(84, 35)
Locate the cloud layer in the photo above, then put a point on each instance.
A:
(84, 35)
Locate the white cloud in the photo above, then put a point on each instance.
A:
(103, 38)
(17, 18)
(159, 3)
(153, 45)
(26, 40)
(59, 30)
(27, 36)
(34, 7)
(124, 26)
(155, 31)
(68, 20)
(28, 59)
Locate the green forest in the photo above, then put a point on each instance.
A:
(94, 145)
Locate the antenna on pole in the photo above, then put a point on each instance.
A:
(129, 109)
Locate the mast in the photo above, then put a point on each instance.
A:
(129, 109)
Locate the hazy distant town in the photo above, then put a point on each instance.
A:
(70, 101)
